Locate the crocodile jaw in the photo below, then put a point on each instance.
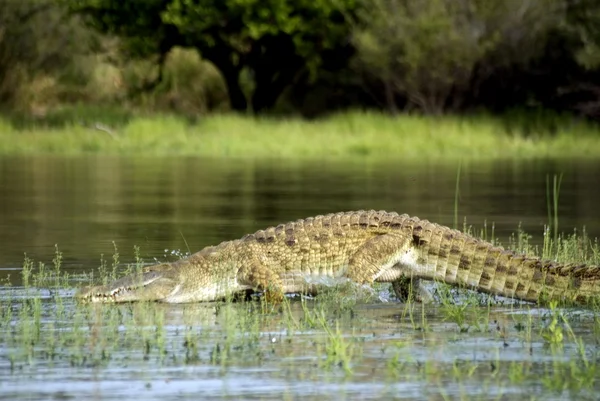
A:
(160, 289)
(148, 286)
(103, 294)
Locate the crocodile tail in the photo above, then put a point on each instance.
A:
(454, 257)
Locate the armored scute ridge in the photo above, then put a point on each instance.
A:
(361, 246)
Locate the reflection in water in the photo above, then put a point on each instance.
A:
(84, 204)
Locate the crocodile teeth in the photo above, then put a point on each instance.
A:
(108, 296)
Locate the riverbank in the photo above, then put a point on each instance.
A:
(345, 135)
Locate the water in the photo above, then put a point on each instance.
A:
(83, 205)
(86, 205)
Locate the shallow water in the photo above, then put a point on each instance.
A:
(243, 353)
(160, 205)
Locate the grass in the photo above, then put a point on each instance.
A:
(345, 135)
(466, 346)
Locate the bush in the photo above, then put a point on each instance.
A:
(38, 46)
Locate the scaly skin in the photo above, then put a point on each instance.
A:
(362, 246)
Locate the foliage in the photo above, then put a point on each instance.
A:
(38, 48)
(430, 52)
(302, 57)
(583, 17)
(189, 86)
(274, 40)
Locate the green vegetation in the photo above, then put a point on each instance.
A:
(438, 56)
(275, 40)
(346, 135)
(384, 79)
(463, 344)
(301, 57)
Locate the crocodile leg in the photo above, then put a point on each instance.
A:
(388, 258)
(413, 289)
(382, 258)
(259, 275)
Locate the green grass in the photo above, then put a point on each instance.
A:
(345, 135)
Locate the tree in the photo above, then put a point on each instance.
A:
(583, 23)
(433, 52)
(139, 25)
(35, 39)
(582, 31)
(274, 40)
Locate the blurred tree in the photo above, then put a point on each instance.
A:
(274, 40)
(432, 52)
(583, 22)
(35, 38)
(581, 31)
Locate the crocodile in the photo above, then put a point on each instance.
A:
(359, 246)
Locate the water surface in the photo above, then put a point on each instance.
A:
(87, 205)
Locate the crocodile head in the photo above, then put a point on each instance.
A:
(157, 284)
(200, 277)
